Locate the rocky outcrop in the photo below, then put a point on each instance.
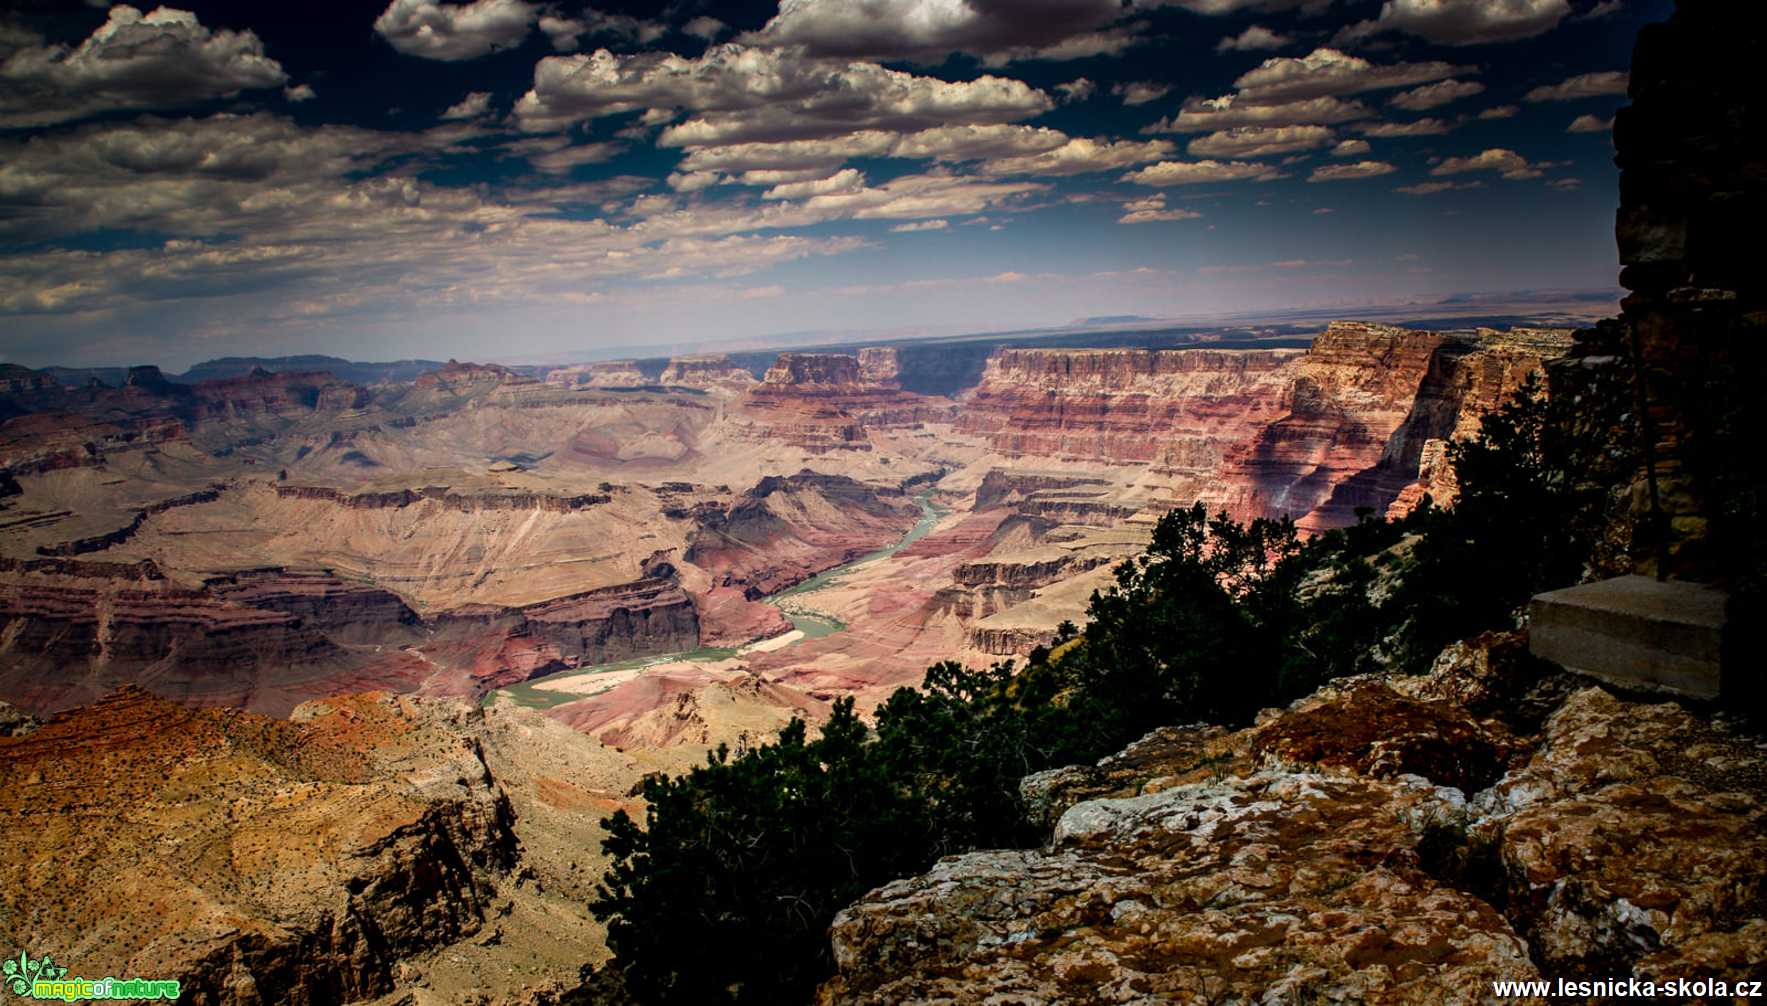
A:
(446, 497)
(789, 528)
(712, 370)
(880, 365)
(110, 539)
(606, 374)
(1379, 842)
(289, 861)
(344, 610)
(1691, 211)
(1315, 434)
(826, 401)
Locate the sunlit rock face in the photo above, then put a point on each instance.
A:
(1360, 419)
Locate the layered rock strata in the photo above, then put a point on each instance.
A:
(1355, 421)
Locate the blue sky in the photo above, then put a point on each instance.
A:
(507, 179)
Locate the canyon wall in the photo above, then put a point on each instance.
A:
(1311, 434)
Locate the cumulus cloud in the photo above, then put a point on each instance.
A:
(1505, 162)
(431, 29)
(1141, 92)
(564, 32)
(1350, 172)
(921, 225)
(299, 93)
(1261, 141)
(1463, 22)
(741, 94)
(1395, 130)
(1584, 85)
(1078, 156)
(557, 155)
(845, 180)
(1590, 124)
(1332, 73)
(1202, 115)
(1422, 99)
(1499, 112)
(1351, 148)
(474, 106)
(1078, 89)
(1153, 209)
(1253, 39)
(159, 60)
(1431, 188)
(1167, 173)
(329, 221)
(929, 30)
(707, 28)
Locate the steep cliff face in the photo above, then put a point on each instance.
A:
(1260, 433)
(1692, 209)
(1386, 842)
(787, 529)
(605, 374)
(706, 371)
(827, 401)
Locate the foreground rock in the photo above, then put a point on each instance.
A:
(1375, 843)
(368, 843)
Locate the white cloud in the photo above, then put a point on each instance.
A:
(1202, 115)
(1422, 99)
(740, 94)
(1153, 209)
(1585, 85)
(1464, 22)
(1431, 188)
(431, 29)
(707, 28)
(1168, 173)
(1395, 130)
(1332, 73)
(164, 59)
(845, 180)
(1079, 156)
(1505, 162)
(1351, 148)
(929, 30)
(1140, 92)
(1499, 112)
(557, 155)
(921, 225)
(1078, 89)
(1261, 141)
(1253, 39)
(1590, 124)
(564, 32)
(1350, 172)
(1565, 184)
(473, 106)
(299, 93)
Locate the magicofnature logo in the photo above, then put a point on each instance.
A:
(42, 978)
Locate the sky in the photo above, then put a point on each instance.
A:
(516, 180)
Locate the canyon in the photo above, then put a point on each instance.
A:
(458, 615)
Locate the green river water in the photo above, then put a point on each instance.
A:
(813, 624)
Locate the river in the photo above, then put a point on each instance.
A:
(812, 624)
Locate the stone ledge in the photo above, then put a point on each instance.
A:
(1635, 632)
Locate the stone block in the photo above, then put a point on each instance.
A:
(1635, 632)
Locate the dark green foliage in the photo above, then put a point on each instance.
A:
(727, 893)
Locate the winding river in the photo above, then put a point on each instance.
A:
(810, 623)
